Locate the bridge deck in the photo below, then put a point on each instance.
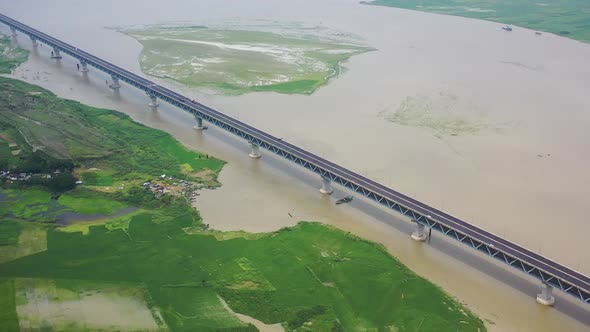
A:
(549, 271)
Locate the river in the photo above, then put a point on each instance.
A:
(523, 176)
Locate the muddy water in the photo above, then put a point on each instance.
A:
(520, 178)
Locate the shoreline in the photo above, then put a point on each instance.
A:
(474, 11)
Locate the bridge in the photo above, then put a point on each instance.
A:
(550, 273)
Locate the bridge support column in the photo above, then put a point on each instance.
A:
(115, 85)
(419, 233)
(326, 188)
(83, 67)
(254, 151)
(13, 32)
(199, 125)
(546, 296)
(153, 102)
(55, 54)
(34, 42)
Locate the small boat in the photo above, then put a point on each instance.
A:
(507, 28)
(344, 200)
(538, 33)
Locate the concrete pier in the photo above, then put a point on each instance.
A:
(254, 151)
(55, 54)
(34, 42)
(83, 67)
(419, 233)
(115, 85)
(546, 296)
(153, 102)
(13, 32)
(199, 125)
(326, 188)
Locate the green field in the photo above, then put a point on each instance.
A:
(307, 276)
(570, 18)
(234, 61)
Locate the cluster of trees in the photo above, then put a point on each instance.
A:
(57, 183)
(37, 162)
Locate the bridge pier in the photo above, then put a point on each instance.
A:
(34, 41)
(199, 125)
(546, 296)
(13, 32)
(83, 67)
(419, 233)
(55, 54)
(326, 188)
(115, 85)
(254, 151)
(153, 102)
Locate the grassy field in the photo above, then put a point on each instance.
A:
(239, 61)
(307, 276)
(48, 130)
(570, 18)
(10, 57)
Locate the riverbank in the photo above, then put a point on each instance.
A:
(567, 18)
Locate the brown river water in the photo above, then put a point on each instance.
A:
(522, 173)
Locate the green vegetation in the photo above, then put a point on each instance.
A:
(10, 57)
(239, 61)
(158, 267)
(9, 232)
(90, 203)
(309, 273)
(54, 133)
(8, 315)
(569, 18)
(33, 204)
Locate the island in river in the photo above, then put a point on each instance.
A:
(241, 59)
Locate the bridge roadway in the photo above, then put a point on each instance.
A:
(548, 271)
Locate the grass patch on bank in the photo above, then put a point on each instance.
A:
(52, 130)
(568, 18)
(10, 56)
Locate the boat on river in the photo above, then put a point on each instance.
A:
(507, 28)
(344, 200)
